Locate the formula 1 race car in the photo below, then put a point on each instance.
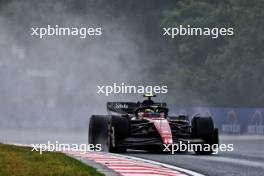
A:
(147, 126)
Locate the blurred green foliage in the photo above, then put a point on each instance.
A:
(199, 70)
(227, 71)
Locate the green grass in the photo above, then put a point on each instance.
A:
(21, 161)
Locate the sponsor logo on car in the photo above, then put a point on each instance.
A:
(121, 106)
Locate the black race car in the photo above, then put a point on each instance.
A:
(147, 126)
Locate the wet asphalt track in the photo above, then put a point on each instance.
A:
(247, 159)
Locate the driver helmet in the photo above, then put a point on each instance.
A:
(147, 102)
(148, 110)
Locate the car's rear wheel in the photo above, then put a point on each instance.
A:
(117, 131)
(203, 127)
(98, 130)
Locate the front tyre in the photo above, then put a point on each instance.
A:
(203, 127)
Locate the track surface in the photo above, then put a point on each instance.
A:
(246, 159)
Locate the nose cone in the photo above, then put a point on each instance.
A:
(167, 141)
(164, 130)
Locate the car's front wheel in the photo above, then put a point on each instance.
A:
(203, 127)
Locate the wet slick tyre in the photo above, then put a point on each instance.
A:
(98, 130)
(117, 131)
(203, 128)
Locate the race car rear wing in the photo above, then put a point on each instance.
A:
(122, 107)
(128, 107)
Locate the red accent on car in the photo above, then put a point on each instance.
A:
(163, 128)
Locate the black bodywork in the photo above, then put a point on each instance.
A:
(123, 129)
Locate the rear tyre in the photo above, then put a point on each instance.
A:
(98, 131)
(117, 131)
(203, 127)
